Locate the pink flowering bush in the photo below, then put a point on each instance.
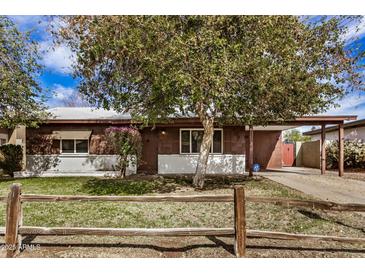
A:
(127, 143)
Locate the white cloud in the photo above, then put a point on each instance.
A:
(355, 30)
(27, 21)
(57, 58)
(60, 92)
(351, 104)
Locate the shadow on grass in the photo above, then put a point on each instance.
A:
(6, 179)
(127, 187)
(140, 185)
(316, 216)
(213, 182)
(303, 248)
(217, 243)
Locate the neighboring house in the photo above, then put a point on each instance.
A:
(352, 131)
(73, 142)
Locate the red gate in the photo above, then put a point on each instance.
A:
(288, 154)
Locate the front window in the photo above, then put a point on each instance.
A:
(2, 141)
(191, 139)
(185, 141)
(82, 146)
(196, 140)
(72, 146)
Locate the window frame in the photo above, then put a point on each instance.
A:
(75, 153)
(4, 136)
(190, 141)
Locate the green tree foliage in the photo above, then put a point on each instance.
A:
(11, 157)
(20, 100)
(234, 69)
(295, 135)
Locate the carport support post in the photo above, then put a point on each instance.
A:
(250, 151)
(323, 149)
(340, 150)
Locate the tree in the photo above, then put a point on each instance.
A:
(245, 70)
(295, 135)
(11, 158)
(127, 143)
(20, 94)
(75, 100)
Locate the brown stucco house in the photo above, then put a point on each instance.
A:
(73, 142)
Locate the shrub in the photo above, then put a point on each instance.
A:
(127, 143)
(354, 154)
(11, 157)
(41, 144)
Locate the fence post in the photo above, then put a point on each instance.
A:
(13, 221)
(239, 221)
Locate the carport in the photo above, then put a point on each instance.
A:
(319, 120)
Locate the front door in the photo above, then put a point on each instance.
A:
(148, 162)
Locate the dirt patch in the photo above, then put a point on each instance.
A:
(182, 247)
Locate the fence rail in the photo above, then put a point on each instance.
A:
(159, 198)
(196, 231)
(14, 229)
(314, 204)
(67, 231)
(285, 202)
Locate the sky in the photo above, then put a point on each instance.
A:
(56, 79)
(59, 84)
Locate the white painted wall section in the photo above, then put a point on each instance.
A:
(74, 164)
(186, 163)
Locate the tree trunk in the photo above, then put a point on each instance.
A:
(208, 124)
(123, 167)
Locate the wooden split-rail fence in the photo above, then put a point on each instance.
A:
(14, 229)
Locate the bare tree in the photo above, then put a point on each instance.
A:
(75, 100)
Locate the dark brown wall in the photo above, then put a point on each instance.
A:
(233, 140)
(4, 131)
(267, 144)
(98, 144)
(168, 143)
(266, 148)
(148, 163)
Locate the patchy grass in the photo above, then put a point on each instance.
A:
(119, 214)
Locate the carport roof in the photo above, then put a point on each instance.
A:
(358, 123)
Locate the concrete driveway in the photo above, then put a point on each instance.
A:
(330, 187)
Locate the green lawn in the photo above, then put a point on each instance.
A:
(119, 214)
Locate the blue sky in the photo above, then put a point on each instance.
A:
(59, 83)
(56, 79)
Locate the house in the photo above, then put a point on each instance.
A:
(354, 130)
(73, 142)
